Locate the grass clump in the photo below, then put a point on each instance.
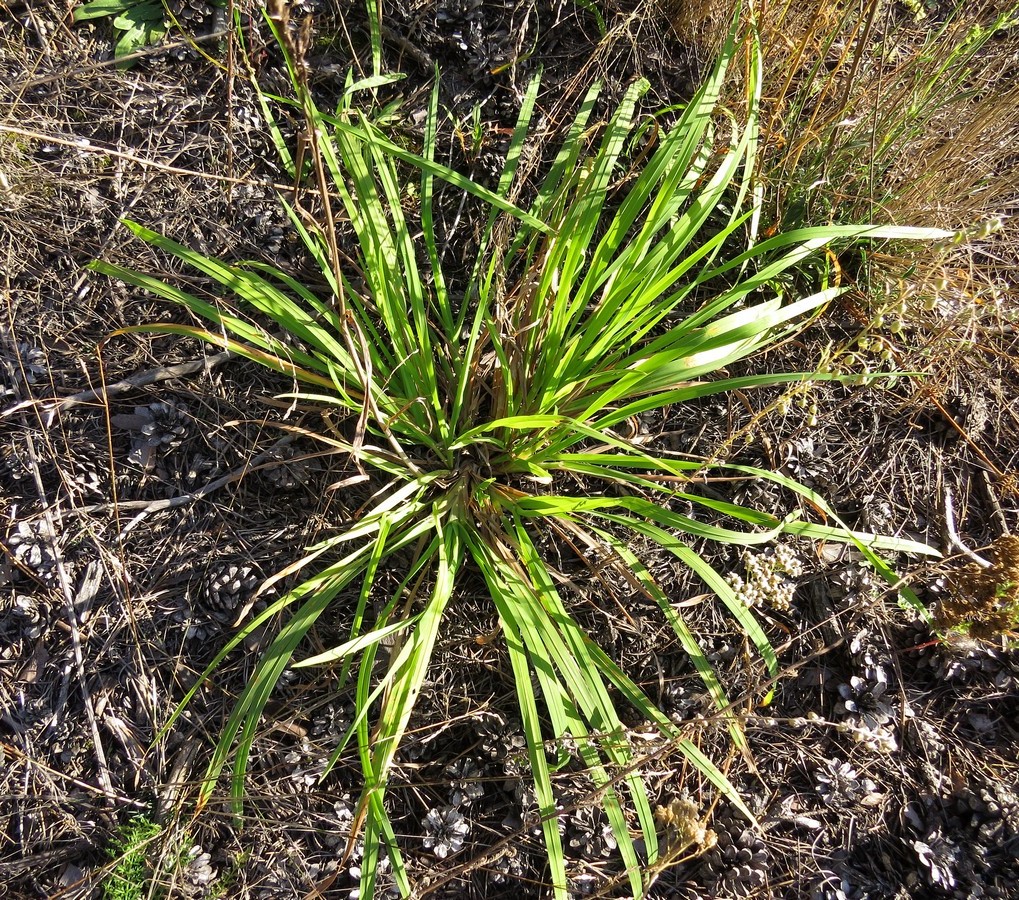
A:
(474, 414)
(886, 113)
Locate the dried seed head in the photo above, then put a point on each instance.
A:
(682, 826)
(984, 602)
(769, 578)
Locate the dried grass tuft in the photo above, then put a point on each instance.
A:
(984, 600)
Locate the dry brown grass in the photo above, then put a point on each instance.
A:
(885, 112)
(905, 113)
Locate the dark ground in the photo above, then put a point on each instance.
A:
(887, 765)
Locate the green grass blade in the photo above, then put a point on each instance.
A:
(689, 643)
(507, 605)
(443, 306)
(601, 714)
(358, 133)
(639, 700)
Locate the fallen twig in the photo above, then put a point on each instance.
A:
(102, 768)
(151, 506)
(953, 535)
(141, 379)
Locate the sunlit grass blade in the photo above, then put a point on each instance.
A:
(247, 712)
(678, 548)
(252, 289)
(507, 178)
(601, 715)
(394, 151)
(565, 255)
(647, 585)
(507, 604)
(639, 700)
(442, 305)
(355, 645)
(548, 505)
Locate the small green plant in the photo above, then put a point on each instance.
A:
(475, 414)
(136, 23)
(130, 852)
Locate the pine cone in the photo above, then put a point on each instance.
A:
(226, 589)
(191, 14)
(31, 546)
(589, 834)
(739, 860)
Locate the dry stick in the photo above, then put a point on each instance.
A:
(255, 464)
(953, 535)
(138, 54)
(169, 793)
(415, 53)
(87, 591)
(148, 507)
(87, 146)
(997, 513)
(102, 769)
(142, 379)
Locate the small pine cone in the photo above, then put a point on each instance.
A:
(156, 430)
(33, 368)
(739, 860)
(457, 11)
(32, 616)
(487, 53)
(289, 473)
(88, 477)
(992, 812)
(589, 834)
(190, 13)
(939, 857)
(301, 8)
(510, 865)
(228, 588)
(199, 871)
(15, 460)
(959, 661)
(197, 629)
(500, 738)
(30, 544)
(466, 781)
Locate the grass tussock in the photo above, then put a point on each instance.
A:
(498, 420)
(475, 415)
(901, 113)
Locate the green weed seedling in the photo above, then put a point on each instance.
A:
(130, 852)
(136, 23)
